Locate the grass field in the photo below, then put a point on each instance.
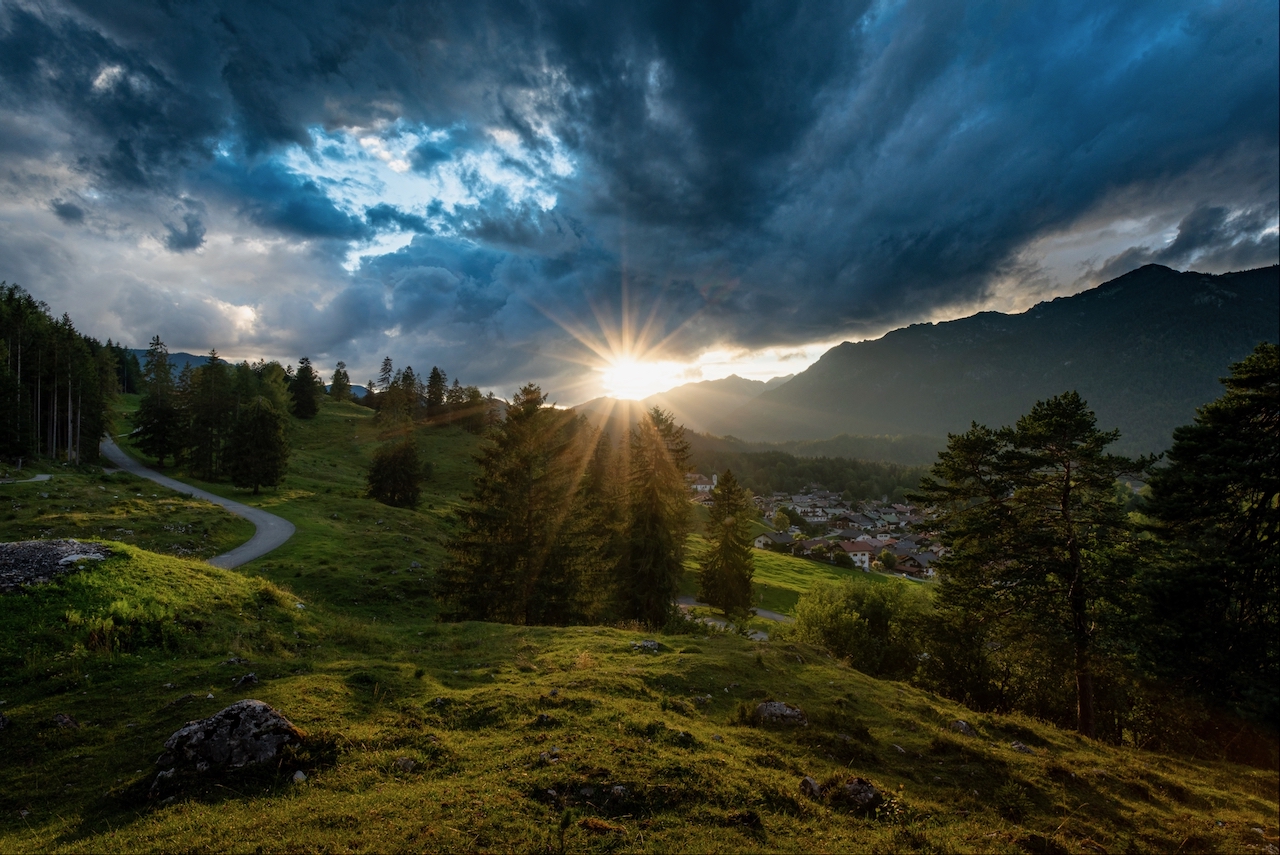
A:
(479, 737)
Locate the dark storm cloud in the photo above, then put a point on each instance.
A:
(771, 173)
(67, 212)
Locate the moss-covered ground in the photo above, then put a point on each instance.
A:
(466, 737)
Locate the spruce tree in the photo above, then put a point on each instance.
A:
(385, 374)
(258, 454)
(531, 548)
(159, 420)
(657, 521)
(209, 403)
(340, 385)
(436, 384)
(306, 388)
(724, 580)
(396, 474)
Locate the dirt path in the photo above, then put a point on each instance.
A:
(272, 530)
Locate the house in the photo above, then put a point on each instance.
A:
(804, 547)
(860, 551)
(773, 538)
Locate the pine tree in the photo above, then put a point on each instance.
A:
(258, 453)
(657, 518)
(306, 389)
(396, 475)
(1213, 622)
(724, 580)
(436, 384)
(340, 386)
(1031, 516)
(210, 408)
(159, 419)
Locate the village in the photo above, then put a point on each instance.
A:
(821, 525)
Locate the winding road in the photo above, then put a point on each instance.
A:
(272, 530)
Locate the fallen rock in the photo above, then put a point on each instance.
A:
(299, 776)
(64, 720)
(811, 788)
(245, 733)
(963, 728)
(778, 712)
(646, 646)
(249, 679)
(1020, 747)
(404, 764)
(859, 793)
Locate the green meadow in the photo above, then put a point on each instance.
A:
(478, 737)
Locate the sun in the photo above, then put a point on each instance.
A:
(632, 379)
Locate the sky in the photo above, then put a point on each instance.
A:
(617, 197)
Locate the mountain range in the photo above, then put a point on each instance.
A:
(1145, 350)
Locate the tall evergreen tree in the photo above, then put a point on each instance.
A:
(340, 385)
(529, 550)
(657, 518)
(306, 389)
(385, 374)
(436, 385)
(258, 454)
(724, 580)
(1032, 520)
(210, 406)
(1214, 617)
(159, 421)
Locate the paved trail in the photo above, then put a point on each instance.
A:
(29, 480)
(272, 530)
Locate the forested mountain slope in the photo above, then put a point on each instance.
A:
(1144, 350)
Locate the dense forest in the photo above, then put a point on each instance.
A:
(57, 383)
(766, 472)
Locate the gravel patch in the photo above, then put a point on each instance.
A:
(38, 562)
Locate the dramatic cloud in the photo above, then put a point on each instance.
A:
(485, 186)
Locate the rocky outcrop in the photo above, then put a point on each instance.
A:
(246, 733)
(38, 562)
(778, 712)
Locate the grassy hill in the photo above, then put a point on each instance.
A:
(509, 727)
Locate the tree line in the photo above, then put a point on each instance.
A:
(57, 383)
(402, 396)
(766, 472)
(1129, 619)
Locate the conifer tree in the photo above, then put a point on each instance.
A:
(258, 454)
(159, 420)
(657, 518)
(725, 577)
(210, 414)
(385, 374)
(1213, 617)
(340, 385)
(306, 388)
(436, 384)
(1032, 520)
(396, 475)
(530, 549)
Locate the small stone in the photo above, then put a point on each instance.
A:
(545, 719)
(1020, 747)
(618, 791)
(899, 748)
(404, 764)
(717, 738)
(809, 787)
(299, 776)
(299, 606)
(963, 728)
(554, 692)
(64, 720)
(861, 793)
(209, 696)
(249, 679)
(414, 565)
(587, 792)
(167, 686)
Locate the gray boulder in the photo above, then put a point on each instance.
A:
(778, 712)
(245, 733)
(963, 728)
(860, 794)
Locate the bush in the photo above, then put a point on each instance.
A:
(396, 476)
(874, 626)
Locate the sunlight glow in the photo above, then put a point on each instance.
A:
(631, 379)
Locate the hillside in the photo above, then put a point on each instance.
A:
(1144, 350)
(473, 736)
